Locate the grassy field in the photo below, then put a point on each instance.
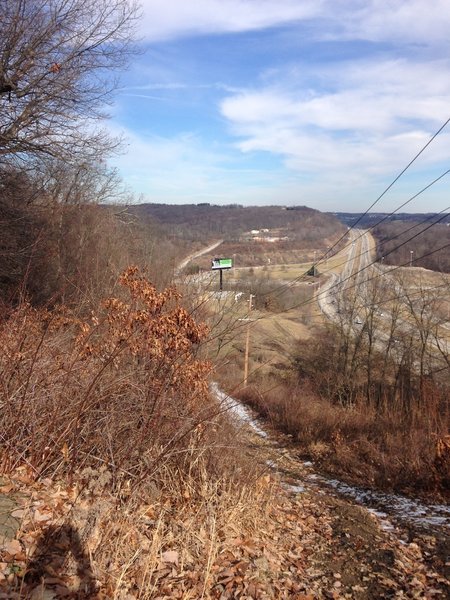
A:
(284, 313)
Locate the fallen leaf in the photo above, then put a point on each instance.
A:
(12, 547)
(39, 517)
(171, 556)
(6, 489)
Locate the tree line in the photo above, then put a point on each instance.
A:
(395, 247)
(62, 238)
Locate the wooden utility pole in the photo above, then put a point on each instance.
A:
(247, 342)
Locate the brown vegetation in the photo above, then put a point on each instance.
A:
(392, 244)
(63, 247)
(121, 463)
(128, 478)
(115, 407)
(394, 445)
(375, 409)
(204, 221)
(120, 388)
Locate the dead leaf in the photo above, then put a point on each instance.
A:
(12, 547)
(171, 557)
(7, 488)
(39, 517)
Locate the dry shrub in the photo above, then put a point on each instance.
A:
(108, 425)
(80, 542)
(123, 388)
(387, 449)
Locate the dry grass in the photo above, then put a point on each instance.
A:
(80, 542)
(116, 409)
(179, 534)
(386, 449)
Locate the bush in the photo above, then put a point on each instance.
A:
(386, 449)
(123, 388)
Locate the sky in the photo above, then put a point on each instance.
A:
(287, 102)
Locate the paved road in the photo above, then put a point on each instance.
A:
(359, 252)
(354, 277)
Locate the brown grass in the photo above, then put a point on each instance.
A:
(386, 449)
(115, 411)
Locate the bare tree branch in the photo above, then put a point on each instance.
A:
(57, 65)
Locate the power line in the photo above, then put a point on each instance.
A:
(354, 275)
(404, 295)
(303, 275)
(403, 171)
(321, 294)
(441, 128)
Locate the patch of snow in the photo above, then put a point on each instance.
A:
(297, 489)
(240, 412)
(383, 505)
(382, 519)
(395, 505)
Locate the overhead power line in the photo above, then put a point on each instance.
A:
(402, 172)
(303, 275)
(353, 275)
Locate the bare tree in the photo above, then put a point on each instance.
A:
(57, 63)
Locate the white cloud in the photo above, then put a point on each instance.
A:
(376, 117)
(416, 21)
(174, 18)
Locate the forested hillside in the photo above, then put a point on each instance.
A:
(206, 221)
(59, 245)
(421, 243)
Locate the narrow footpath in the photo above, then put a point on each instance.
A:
(355, 552)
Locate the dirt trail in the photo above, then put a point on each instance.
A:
(188, 259)
(359, 555)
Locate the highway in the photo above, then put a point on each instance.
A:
(348, 298)
(360, 254)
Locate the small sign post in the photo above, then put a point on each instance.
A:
(219, 264)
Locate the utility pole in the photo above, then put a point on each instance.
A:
(247, 342)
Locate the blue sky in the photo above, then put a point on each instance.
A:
(287, 102)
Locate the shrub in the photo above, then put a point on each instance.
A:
(123, 388)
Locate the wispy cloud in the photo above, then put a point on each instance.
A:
(183, 168)
(413, 21)
(159, 86)
(177, 18)
(373, 117)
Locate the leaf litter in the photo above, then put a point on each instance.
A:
(75, 543)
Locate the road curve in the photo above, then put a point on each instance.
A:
(188, 259)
